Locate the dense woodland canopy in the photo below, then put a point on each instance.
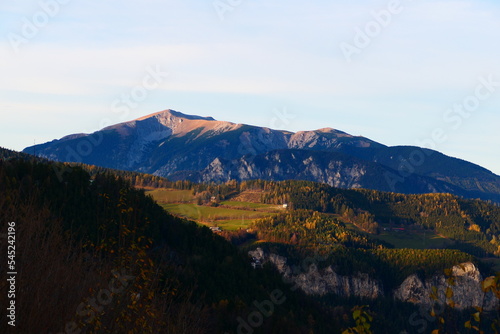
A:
(78, 225)
(82, 229)
(350, 252)
(474, 225)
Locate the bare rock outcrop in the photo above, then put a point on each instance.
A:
(313, 281)
(467, 290)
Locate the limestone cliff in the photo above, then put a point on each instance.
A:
(313, 281)
(467, 290)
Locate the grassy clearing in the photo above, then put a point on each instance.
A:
(171, 195)
(231, 225)
(230, 215)
(250, 205)
(227, 218)
(200, 212)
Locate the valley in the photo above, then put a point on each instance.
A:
(234, 214)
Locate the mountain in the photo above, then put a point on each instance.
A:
(333, 168)
(179, 146)
(109, 259)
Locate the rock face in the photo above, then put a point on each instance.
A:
(315, 282)
(202, 149)
(467, 291)
(290, 164)
(320, 282)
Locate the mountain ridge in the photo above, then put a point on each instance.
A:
(172, 144)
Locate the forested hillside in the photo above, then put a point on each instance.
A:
(474, 225)
(349, 251)
(78, 233)
(82, 229)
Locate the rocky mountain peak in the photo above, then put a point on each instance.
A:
(171, 114)
(172, 144)
(334, 131)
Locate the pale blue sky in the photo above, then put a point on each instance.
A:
(247, 63)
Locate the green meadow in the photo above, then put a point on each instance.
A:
(224, 217)
(229, 215)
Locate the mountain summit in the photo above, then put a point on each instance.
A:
(171, 122)
(179, 146)
(169, 113)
